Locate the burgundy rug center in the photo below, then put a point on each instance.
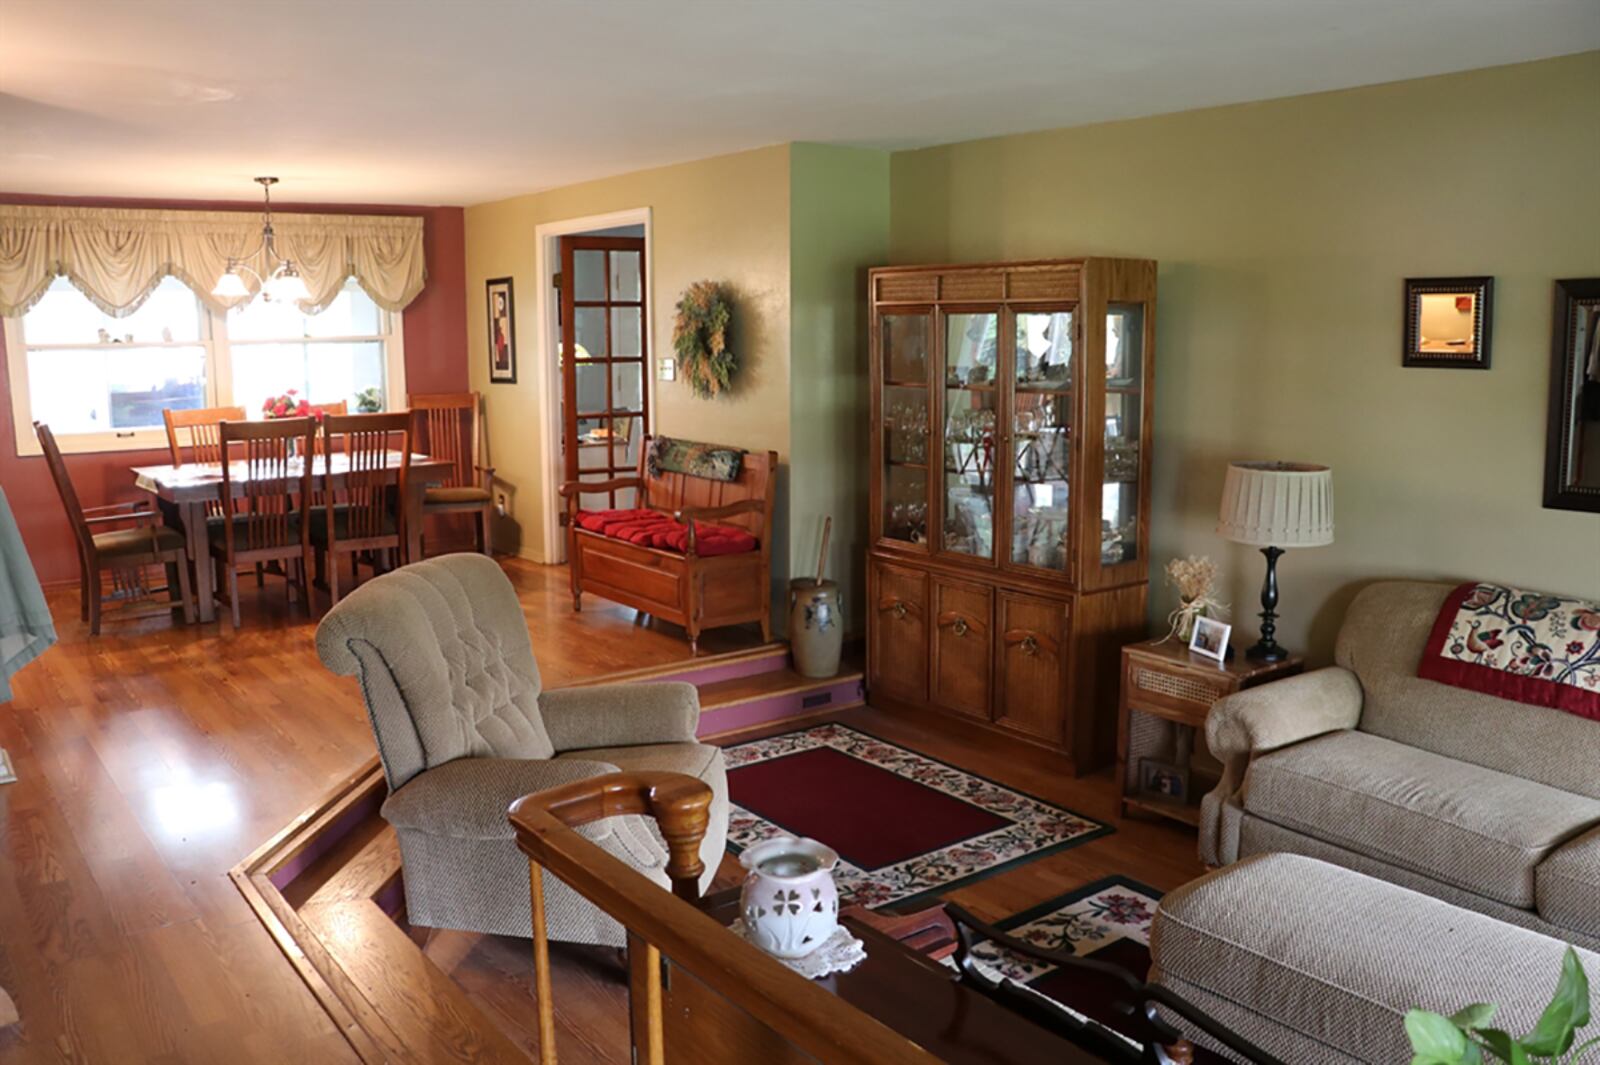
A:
(871, 816)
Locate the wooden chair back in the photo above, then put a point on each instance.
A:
(367, 441)
(796, 1010)
(203, 425)
(325, 410)
(451, 430)
(757, 480)
(275, 485)
(64, 488)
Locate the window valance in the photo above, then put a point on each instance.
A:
(116, 257)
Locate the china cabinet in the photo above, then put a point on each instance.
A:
(1011, 407)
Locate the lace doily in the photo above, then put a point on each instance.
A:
(839, 953)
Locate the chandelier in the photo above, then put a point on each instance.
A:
(284, 284)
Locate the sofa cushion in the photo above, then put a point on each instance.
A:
(654, 528)
(1456, 822)
(1569, 884)
(1382, 640)
(1323, 963)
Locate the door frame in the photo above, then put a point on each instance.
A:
(547, 242)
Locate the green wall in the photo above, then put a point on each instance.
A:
(838, 228)
(1284, 230)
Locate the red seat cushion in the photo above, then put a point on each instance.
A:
(652, 528)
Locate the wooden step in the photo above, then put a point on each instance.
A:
(778, 695)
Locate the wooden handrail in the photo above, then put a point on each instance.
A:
(797, 1009)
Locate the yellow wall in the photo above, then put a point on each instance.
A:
(725, 219)
(1284, 230)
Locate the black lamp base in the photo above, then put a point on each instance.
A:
(1266, 649)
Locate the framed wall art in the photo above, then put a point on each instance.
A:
(1572, 441)
(502, 332)
(1448, 322)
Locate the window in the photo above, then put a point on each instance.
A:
(102, 382)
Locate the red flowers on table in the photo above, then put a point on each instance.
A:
(290, 405)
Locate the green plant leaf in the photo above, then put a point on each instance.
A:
(1435, 1039)
(1568, 1011)
(1474, 1016)
(1502, 1046)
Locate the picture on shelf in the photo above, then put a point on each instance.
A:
(1163, 780)
(1210, 638)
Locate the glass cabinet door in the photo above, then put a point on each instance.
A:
(905, 418)
(971, 363)
(1124, 369)
(1041, 439)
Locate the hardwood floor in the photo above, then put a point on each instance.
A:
(155, 757)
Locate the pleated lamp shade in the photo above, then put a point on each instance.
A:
(1277, 504)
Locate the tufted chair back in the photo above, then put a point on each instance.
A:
(445, 663)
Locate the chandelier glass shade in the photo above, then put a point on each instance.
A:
(283, 285)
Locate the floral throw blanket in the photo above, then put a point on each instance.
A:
(1528, 646)
(697, 460)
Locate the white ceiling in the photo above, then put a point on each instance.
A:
(463, 101)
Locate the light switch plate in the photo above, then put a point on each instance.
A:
(667, 369)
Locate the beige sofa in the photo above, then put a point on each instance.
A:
(1480, 801)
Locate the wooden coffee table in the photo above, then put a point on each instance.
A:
(907, 992)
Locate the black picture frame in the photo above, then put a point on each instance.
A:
(502, 335)
(1475, 358)
(1574, 392)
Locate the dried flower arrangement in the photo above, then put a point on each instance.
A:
(1195, 578)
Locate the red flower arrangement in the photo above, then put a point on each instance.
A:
(290, 405)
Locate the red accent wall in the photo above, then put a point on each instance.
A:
(436, 361)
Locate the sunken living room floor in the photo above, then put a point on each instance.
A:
(153, 759)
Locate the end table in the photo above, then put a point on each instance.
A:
(1166, 693)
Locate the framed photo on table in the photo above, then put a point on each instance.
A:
(502, 332)
(1210, 638)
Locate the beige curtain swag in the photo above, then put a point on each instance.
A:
(117, 257)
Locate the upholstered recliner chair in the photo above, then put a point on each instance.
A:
(463, 729)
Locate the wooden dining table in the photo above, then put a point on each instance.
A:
(184, 493)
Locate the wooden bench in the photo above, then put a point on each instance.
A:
(692, 590)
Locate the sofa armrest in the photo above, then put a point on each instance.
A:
(620, 715)
(1263, 719)
(1283, 712)
(469, 797)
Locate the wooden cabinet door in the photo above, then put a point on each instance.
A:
(1031, 694)
(963, 646)
(899, 651)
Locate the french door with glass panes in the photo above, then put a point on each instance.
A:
(604, 357)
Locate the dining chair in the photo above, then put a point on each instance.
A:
(453, 431)
(362, 516)
(267, 520)
(124, 552)
(323, 410)
(205, 442)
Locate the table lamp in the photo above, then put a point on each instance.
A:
(1273, 506)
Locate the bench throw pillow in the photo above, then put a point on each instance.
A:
(667, 455)
(1531, 647)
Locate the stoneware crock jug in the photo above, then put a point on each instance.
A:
(789, 901)
(816, 629)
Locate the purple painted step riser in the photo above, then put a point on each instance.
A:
(779, 707)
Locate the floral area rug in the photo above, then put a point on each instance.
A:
(906, 826)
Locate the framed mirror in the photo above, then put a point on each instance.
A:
(1572, 446)
(1447, 322)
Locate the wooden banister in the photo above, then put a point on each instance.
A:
(661, 923)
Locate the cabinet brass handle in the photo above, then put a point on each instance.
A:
(1030, 646)
(899, 609)
(960, 627)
